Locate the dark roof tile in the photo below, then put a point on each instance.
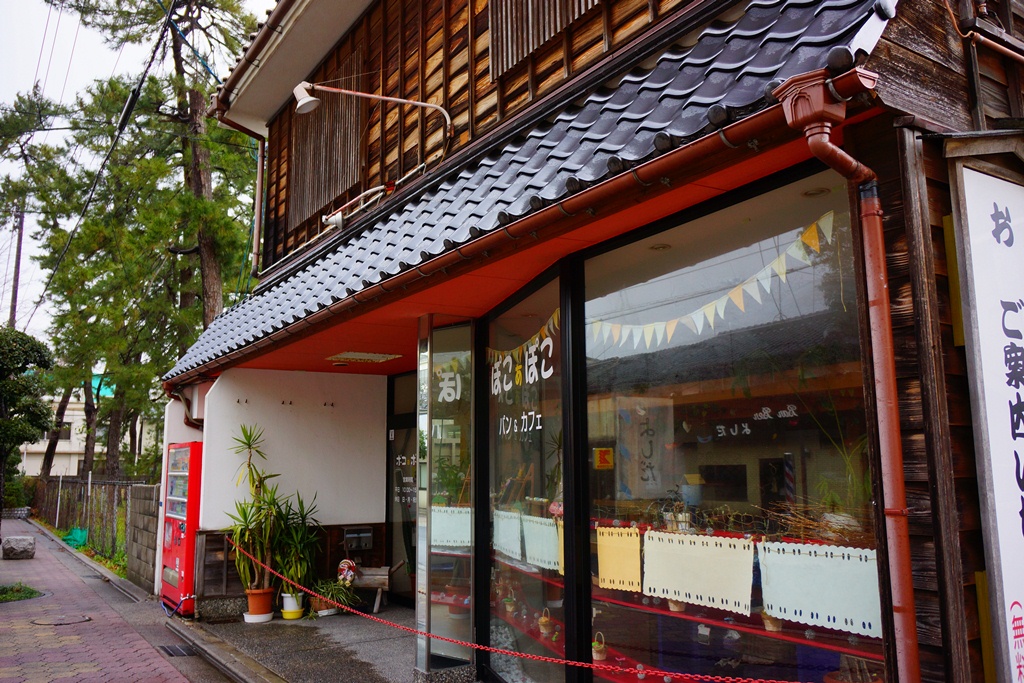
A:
(730, 65)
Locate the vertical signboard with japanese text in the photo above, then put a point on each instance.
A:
(991, 250)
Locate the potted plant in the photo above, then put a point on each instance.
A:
(449, 477)
(458, 591)
(297, 540)
(254, 525)
(329, 594)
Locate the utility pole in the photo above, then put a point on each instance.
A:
(17, 267)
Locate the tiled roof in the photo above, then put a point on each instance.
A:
(724, 76)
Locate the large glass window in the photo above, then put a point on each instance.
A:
(730, 491)
(451, 514)
(444, 457)
(525, 427)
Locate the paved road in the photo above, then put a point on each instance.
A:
(84, 628)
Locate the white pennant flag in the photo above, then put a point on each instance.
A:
(751, 288)
(765, 279)
(825, 225)
(659, 332)
(797, 251)
(698, 320)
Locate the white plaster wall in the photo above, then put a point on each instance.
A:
(175, 429)
(323, 433)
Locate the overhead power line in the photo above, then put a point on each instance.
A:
(126, 113)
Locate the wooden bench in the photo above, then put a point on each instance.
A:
(379, 578)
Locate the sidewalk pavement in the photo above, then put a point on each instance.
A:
(44, 639)
(73, 632)
(344, 647)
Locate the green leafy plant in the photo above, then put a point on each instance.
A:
(18, 591)
(255, 520)
(297, 540)
(334, 592)
(449, 476)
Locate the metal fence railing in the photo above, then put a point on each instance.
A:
(102, 508)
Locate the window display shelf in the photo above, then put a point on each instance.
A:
(557, 648)
(531, 630)
(529, 570)
(792, 633)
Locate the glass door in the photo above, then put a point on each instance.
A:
(403, 453)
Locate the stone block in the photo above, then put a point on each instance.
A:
(19, 547)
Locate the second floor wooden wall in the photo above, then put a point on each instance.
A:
(436, 51)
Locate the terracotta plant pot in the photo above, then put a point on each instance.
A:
(322, 607)
(460, 608)
(261, 601)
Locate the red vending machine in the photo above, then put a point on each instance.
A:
(181, 520)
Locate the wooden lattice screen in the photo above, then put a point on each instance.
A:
(325, 145)
(519, 27)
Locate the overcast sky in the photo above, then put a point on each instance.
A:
(41, 44)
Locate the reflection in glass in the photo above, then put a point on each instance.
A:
(450, 437)
(727, 444)
(526, 486)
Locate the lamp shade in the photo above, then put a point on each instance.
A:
(306, 102)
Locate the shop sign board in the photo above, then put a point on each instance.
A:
(990, 245)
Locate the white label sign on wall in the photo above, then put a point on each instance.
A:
(991, 250)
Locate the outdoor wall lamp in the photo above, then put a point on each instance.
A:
(307, 102)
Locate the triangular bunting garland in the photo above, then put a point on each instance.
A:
(659, 332)
(825, 225)
(751, 288)
(736, 296)
(799, 252)
(720, 306)
(698, 321)
(709, 313)
(765, 279)
(648, 334)
(810, 237)
(779, 266)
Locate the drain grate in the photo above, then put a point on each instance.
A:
(177, 650)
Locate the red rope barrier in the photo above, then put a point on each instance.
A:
(609, 668)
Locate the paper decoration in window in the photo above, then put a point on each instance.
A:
(700, 570)
(821, 585)
(618, 558)
(451, 526)
(508, 533)
(541, 538)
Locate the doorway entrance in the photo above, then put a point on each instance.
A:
(403, 456)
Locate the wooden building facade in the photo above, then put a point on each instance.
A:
(598, 149)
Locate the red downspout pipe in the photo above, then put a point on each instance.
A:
(810, 106)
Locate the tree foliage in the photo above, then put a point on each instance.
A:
(136, 276)
(24, 412)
